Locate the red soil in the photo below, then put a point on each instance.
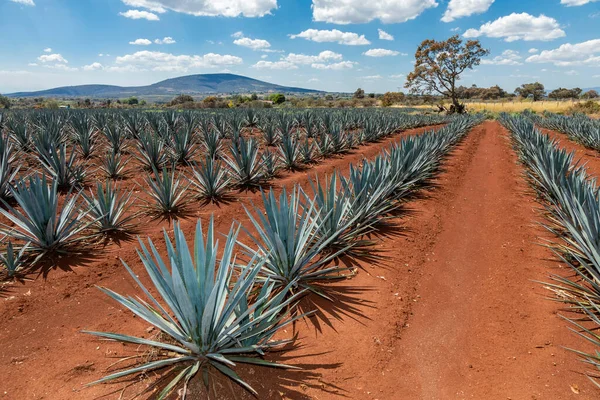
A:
(448, 311)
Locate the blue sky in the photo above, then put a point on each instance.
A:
(334, 45)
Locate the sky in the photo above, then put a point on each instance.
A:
(332, 45)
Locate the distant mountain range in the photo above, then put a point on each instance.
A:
(194, 85)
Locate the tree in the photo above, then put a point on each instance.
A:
(562, 93)
(182, 99)
(254, 97)
(277, 98)
(535, 90)
(438, 66)
(4, 102)
(391, 98)
(590, 94)
(359, 94)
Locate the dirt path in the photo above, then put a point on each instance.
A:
(590, 157)
(449, 311)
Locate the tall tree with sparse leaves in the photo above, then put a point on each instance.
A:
(438, 66)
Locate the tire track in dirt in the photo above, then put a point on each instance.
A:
(44, 354)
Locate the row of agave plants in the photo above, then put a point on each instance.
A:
(44, 221)
(572, 200)
(579, 128)
(216, 312)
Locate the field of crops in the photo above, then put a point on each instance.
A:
(335, 241)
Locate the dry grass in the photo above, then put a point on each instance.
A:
(517, 106)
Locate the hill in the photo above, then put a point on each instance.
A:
(194, 85)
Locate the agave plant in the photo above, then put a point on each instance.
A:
(167, 192)
(40, 220)
(287, 238)
(270, 134)
(307, 152)
(290, 152)
(13, 260)
(107, 208)
(115, 136)
(244, 165)
(151, 149)
(210, 180)
(212, 142)
(183, 145)
(113, 165)
(84, 134)
(270, 162)
(19, 130)
(211, 321)
(66, 172)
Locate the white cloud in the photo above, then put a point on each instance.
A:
(508, 57)
(571, 72)
(363, 11)
(381, 53)
(533, 51)
(238, 34)
(93, 67)
(334, 35)
(137, 14)
(336, 66)
(264, 56)
(397, 76)
(312, 80)
(519, 27)
(324, 56)
(383, 35)
(584, 53)
(24, 2)
(254, 44)
(570, 3)
(165, 40)
(48, 50)
(141, 42)
(372, 77)
(158, 61)
(274, 65)
(55, 58)
(211, 8)
(464, 8)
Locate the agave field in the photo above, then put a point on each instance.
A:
(233, 229)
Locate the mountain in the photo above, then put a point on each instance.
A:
(194, 85)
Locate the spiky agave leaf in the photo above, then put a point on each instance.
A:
(210, 180)
(307, 152)
(270, 163)
(211, 320)
(287, 237)
(40, 220)
(183, 145)
(108, 208)
(151, 151)
(66, 172)
(167, 192)
(289, 149)
(211, 142)
(115, 134)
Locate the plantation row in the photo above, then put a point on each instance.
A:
(579, 128)
(216, 313)
(571, 198)
(42, 221)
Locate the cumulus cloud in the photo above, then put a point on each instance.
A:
(158, 61)
(52, 58)
(381, 53)
(519, 27)
(211, 8)
(571, 3)
(166, 40)
(383, 35)
(137, 14)
(93, 67)
(335, 66)
(464, 8)
(334, 35)
(533, 51)
(141, 42)
(48, 50)
(508, 57)
(584, 53)
(274, 65)
(254, 44)
(361, 11)
(324, 56)
(24, 2)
